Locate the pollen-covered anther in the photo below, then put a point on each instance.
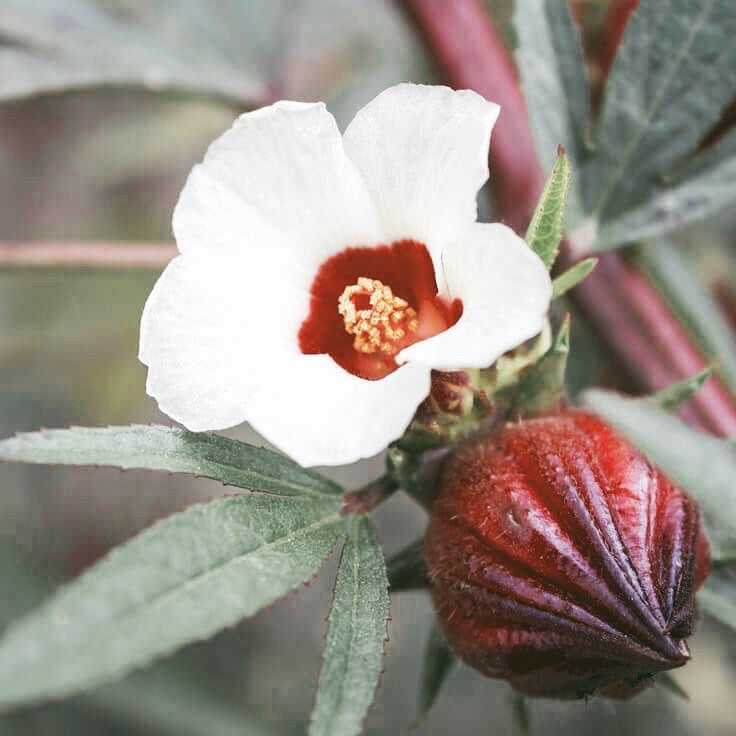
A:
(377, 318)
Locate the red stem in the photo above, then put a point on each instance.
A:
(87, 255)
(623, 305)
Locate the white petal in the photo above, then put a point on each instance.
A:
(212, 328)
(279, 179)
(423, 152)
(505, 290)
(319, 414)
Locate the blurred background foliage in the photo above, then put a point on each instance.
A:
(85, 163)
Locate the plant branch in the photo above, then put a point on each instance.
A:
(365, 499)
(96, 255)
(625, 308)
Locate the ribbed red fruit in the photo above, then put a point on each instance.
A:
(562, 561)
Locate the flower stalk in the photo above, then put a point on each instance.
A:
(372, 494)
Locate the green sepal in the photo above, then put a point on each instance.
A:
(678, 393)
(545, 229)
(542, 385)
(573, 276)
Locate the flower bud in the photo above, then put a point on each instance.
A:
(562, 561)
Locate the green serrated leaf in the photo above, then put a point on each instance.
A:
(182, 580)
(668, 682)
(703, 185)
(693, 304)
(545, 230)
(543, 384)
(438, 663)
(356, 635)
(678, 393)
(718, 596)
(57, 45)
(555, 83)
(702, 465)
(572, 277)
(673, 76)
(166, 448)
(407, 569)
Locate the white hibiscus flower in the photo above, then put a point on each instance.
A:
(322, 278)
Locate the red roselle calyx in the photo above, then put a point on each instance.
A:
(562, 561)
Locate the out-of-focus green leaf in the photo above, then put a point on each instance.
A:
(572, 277)
(692, 191)
(664, 262)
(678, 393)
(702, 465)
(168, 701)
(521, 716)
(545, 229)
(673, 76)
(356, 635)
(164, 698)
(718, 596)
(407, 569)
(185, 45)
(555, 84)
(668, 682)
(182, 580)
(166, 448)
(438, 663)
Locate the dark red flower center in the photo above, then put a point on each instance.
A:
(367, 304)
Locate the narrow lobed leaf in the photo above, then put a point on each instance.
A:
(182, 580)
(58, 45)
(438, 663)
(673, 76)
(355, 639)
(703, 185)
(678, 393)
(702, 465)
(572, 277)
(545, 229)
(555, 84)
(167, 448)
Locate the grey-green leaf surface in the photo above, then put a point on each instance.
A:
(675, 278)
(182, 580)
(678, 393)
(702, 465)
(701, 186)
(184, 45)
(438, 663)
(573, 276)
(356, 635)
(555, 84)
(673, 76)
(718, 596)
(545, 229)
(167, 448)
